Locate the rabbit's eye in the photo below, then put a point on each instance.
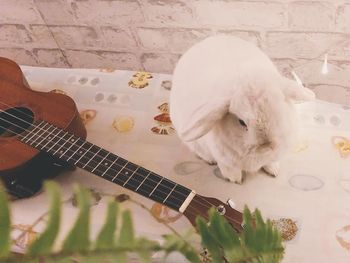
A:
(242, 123)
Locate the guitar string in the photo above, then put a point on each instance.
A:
(208, 202)
(200, 203)
(191, 213)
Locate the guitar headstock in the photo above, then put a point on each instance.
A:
(200, 205)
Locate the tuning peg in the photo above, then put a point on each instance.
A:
(231, 203)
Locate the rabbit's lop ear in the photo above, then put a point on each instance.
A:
(293, 91)
(203, 119)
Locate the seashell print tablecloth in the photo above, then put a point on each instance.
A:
(127, 113)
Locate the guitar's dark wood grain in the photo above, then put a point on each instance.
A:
(17, 160)
(57, 109)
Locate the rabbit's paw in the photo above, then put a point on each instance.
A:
(272, 169)
(232, 174)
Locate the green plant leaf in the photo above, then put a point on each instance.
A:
(126, 236)
(5, 224)
(78, 238)
(106, 237)
(224, 235)
(208, 241)
(44, 243)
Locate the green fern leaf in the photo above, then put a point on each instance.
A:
(208, 240)
(78, 238)
(5, 224)
(225, 236)
(44, 243)
(106, 237)
(126, 236)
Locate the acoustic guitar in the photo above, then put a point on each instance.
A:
(42, 133)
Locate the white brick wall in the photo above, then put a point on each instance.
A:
(152, 34)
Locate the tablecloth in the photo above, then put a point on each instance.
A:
(126, 113)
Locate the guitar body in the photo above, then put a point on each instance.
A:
(22, 168)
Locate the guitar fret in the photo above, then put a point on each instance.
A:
(119, 172)
(59, 137)
(100, 163)
(142, 182)
(111, 167)
(156, 187)
(76, 151)
(72, 144)
(129, 178)
(35, 130)
(62, 146)
(46, 134)
(50, 139)
(91, 159)
(169, 193)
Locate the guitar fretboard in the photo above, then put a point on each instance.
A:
(57, 142)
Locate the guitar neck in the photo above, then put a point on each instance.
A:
(74, 150)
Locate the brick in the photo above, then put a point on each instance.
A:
(338, 74)
(251, 36)
(19, 55)
(240, 14)
(19, 11)
(50, 58)
(310, 15)
(302, 44)
(343, 18)
(14, 34)
(161, 63)
(102, 59)
(118, 37)
(123, 12)
(169, 12)
(42, 37)
(56, 11)
(176, 40)
(286, 66)
(72, 37)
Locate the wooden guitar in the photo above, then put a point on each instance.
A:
(40, 131)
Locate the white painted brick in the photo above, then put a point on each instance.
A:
(19, 11)
(175, 40)
(50, 58)
(239, 14)
(122, 12)
(162, 63)
(285, 66)
(19, 55)
(169, 12)
(102, 59)
(338, 74)
(72, 37)
(343, 18)
(56, 11)
(302, 44)
(251, 36)
(14, 34)
(310, 15)
(42, 37)
(118, 37)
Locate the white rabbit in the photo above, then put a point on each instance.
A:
(230, 105)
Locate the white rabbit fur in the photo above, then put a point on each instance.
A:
(223, 79)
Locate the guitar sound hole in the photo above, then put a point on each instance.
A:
(14, 121)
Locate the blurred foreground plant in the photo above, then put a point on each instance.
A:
(259, 242)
